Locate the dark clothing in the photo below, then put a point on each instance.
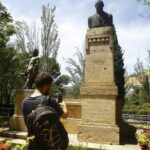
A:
(30, 103)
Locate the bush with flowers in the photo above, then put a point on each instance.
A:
(143, 138)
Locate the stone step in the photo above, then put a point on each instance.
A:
(19, 138)
(5, 132)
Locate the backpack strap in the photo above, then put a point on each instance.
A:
(43, 101)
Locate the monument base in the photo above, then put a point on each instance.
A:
(106, 134)
(16, 122)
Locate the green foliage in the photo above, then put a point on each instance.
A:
(119, 68)
(10, 79)
(53, 65)
(138, 98)
(143, 109)
(76, 72)
(6, 27)
(49, 36)
(27, 37)
(10, 60)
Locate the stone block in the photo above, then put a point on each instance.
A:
(99, 134)
(71, 125)
(99, 110)
(16, 122)
(74, 109)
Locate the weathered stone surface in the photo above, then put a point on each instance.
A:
(99, 134)
(71, 125)
(16, 122)
(99, 63)
(99, 92)
(93, 89)
(99, 110)
(74, 109)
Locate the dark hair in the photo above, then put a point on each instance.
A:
(35, 52)
(43, 79)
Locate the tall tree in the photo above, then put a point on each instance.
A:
(119, 68)
(27, 37)
(49, 36)
(142, 77)
(8, 61)
(139, 71)
(6, 27)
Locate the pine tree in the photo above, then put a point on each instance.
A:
(119, 68)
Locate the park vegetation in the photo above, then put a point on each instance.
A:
(15, 53)
(138, 95)
(14, 56)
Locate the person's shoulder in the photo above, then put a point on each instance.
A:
(27, 98)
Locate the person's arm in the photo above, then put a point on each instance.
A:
(64, 109)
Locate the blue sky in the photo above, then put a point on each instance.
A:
(71, 16)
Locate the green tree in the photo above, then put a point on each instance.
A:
(119, 68)
(6, 27)
(27, 37)
(49, 36)
(141, 75)
(8, 61)
(76, 72)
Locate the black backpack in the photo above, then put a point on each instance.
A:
(48, 130)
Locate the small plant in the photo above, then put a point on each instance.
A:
(143, 138)
(6, 145)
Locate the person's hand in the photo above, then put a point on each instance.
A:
(64, 108)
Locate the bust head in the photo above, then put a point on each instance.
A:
(35, 52)
(99, 5)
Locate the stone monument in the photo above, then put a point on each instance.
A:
(16, 122)
(99, 92)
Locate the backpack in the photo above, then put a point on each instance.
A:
(45, 125)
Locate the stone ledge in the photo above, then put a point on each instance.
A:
(91, 90)
(74, 142)
(99, 134)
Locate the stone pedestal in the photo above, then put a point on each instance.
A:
(99, 92)
(16, 122)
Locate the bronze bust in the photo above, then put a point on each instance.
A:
(101, 18)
